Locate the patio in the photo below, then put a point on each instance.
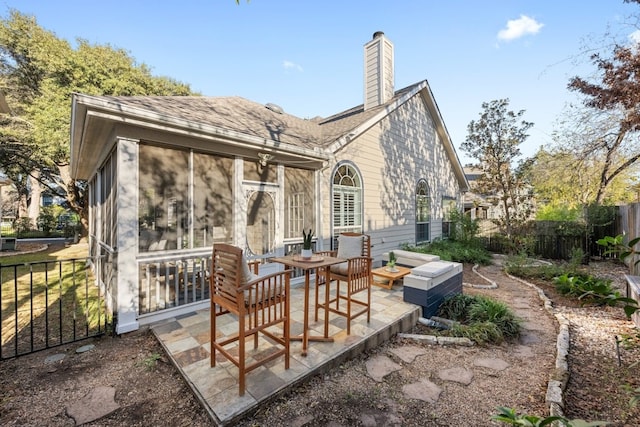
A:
(186, 341)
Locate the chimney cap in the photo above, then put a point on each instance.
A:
(378, 34)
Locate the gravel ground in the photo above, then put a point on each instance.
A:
(151, 392)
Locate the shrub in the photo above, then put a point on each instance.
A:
(520, 266)
(456, 307)
(583, 286)
(47, 220)
(509, 416)
(480, 333)
(451, 250)
(589, 289)
(496, 312)
(481, 319)
(464, 228)
(23, 225)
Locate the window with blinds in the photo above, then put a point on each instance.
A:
(347, 200)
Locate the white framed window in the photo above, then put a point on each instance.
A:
(347, 200)
(449, 205)
(300, 203)
(422, 212)
(296, 214)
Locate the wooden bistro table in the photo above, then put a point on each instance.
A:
(391, 276)
(314, 263)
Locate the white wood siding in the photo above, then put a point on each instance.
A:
(392, 156)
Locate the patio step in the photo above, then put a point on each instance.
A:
(186, 341)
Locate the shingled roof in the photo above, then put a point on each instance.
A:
(252, 118)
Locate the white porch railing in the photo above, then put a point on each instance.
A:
(172, 279)
(173, 282)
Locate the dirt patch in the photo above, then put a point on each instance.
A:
(152, 392)
(25, 248)
(149, 391)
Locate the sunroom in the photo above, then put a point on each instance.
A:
(194, 187)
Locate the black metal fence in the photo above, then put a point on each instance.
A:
(50, 303)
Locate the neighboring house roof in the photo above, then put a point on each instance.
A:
(243, 120)
(472, 200)
(473, 173)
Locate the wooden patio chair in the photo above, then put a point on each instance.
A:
(260, 304)
(355, 272)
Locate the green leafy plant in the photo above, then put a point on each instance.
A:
(591, 290)
(616, 245)
(577, 258)
(630, 341)
(481, 319)
(635, 394)
(456, 307)
(306, 239)
(47, 219)
(450, 250)
(479, 332)
(498, 313)
(392, 260)
(521, 266)
(509, 416)
(150, 362)
(464, 229)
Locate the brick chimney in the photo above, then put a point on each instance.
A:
(378, 71)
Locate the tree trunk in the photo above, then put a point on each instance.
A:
(36, 196)
(77, 199)
(507, 215)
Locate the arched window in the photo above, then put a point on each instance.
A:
(422, 212)
(347, 200)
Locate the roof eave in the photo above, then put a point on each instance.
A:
(446, 138)
(362, 128)
(85, 106)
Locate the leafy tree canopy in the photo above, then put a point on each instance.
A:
(607, 133)
(38, 74)
(494, 141)
(564, 181)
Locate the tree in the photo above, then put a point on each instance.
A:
(574, 180)
(616, 94)
(39, 72)
(494, 140)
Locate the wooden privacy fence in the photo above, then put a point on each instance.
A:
(630, 227)
(558, 247)
(560, 239)
(544, 246)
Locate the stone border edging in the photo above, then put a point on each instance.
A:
(433, 339)
(559, 378)
(43, 247)
(491, 285)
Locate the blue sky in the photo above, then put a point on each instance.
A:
(307, 56)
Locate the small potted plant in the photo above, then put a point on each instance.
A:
(391, 264)
(306, 244)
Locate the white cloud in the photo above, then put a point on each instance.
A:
(288, 65)
(520, 27)
(635, 36)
